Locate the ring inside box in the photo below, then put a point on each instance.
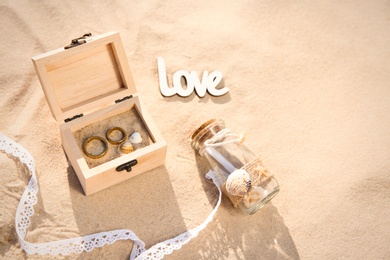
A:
(90, 90)
(129, 120)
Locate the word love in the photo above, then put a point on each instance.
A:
(209, 82)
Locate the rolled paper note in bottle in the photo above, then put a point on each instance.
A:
(240, 173)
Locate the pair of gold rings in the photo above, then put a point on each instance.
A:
(104, 142)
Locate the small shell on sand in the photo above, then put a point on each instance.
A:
(135, 138)
(127, 147)
(238, 183)
(254, 196)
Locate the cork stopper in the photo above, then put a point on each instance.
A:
(206, 131)
(200, 128)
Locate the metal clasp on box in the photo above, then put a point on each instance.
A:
(126, 166)
(78, 41)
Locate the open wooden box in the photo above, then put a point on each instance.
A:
(90, 89)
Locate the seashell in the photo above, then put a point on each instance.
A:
(254, 196)
(127, 147)
(238, 183)
(135, 138)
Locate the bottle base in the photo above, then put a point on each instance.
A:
(261, 204)
(269, 191)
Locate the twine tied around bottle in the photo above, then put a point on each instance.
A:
(255, 168)
(224, 133)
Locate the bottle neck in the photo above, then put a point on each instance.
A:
(205, 132)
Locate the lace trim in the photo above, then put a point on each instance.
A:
(87, 243)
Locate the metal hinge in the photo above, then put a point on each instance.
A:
(73, 118)
(78, 41)
(123, 99)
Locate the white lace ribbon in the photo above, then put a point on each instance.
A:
(87, 243)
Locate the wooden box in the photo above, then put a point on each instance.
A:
(90, 89)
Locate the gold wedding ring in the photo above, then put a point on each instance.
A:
(95, 156)
(124, 135)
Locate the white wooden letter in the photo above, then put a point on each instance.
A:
(215, 78)
(178, 86)
(200, 88)
(162, 74)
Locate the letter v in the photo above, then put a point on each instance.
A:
(200, 89)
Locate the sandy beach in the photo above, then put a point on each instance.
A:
(308, 84)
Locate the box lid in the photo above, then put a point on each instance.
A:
(86, 77)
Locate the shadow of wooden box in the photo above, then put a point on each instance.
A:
(89, 88)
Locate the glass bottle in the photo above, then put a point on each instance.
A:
(240, 174)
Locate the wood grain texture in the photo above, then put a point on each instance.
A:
(87, 79)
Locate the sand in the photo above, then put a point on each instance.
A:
(309, 84)
(129, 121)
